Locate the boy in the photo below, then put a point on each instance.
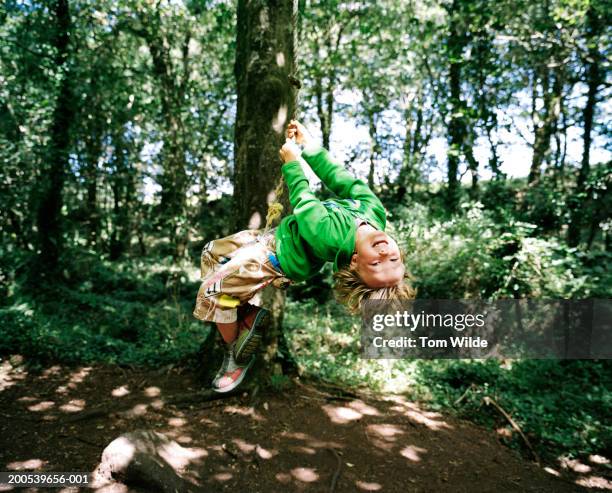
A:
(348, 232)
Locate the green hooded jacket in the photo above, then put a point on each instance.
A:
(323, 231)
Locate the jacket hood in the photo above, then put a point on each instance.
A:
(345, 252)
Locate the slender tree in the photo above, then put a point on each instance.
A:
(51, 183)
(594, 80)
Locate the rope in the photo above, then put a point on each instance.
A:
(275, 209)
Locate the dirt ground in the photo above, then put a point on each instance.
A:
(306, 438)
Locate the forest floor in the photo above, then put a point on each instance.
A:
(304, 438)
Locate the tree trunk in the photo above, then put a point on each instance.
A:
(414, 143)
(50, 188)
(594, 80)
(373, 148)
(456, 126)
(173, 181)
(93, 150)
(549, 120)
(267, 96)
(322, 114)
(124, 190)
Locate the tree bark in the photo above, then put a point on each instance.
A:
(456, 125)
(174, 181)
(373, 148)
(594, 80)
(93, 151)
(50, 188)
(413, 146)
(265, 71)
(124, 190)
(549, 119)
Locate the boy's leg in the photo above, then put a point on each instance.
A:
(229, 332)
(215, 306)
(255, 318)
(234, 270)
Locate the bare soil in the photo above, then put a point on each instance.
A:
(305, 438)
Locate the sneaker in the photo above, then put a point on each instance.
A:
(249, 339)
(228, 356)
(232, 375)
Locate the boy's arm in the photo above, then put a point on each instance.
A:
(338, 179)
(311, 214)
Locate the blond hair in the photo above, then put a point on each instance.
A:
(350, 290)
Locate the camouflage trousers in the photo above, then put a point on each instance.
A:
(234, 270)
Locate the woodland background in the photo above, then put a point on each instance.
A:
(127, 141)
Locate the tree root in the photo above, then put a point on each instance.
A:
(336, 475)
(206, 395)
(488, 400)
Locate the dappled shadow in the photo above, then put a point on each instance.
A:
(301, 439)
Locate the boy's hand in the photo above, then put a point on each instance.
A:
(290, 151)
(298, 131)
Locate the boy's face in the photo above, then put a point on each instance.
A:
(377, 259)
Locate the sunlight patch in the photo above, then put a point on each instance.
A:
(255, 221)
(296, 434)
(575, 465)
(41, 406)
(598, 459)
(363, 408)
(25, 465)
(157, 404)
(304, 474)
(244, 446)
(362, 485)
(51, 371)
(180, 457)
(341, 415)
(595, 482)
(323, 444)
(419, 418)
(26, 398)
(303, 450)
(223, 476)
(80, 374)
(120, 391)
(244, 411)
(177, 422)
(278, 124)
(265, 453)
(137, 410)
(386, 431)
(152, 391)
(283, 477)
(412, 453)
(10, 377)
(73, 406)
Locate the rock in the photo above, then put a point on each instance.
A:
(146, 459)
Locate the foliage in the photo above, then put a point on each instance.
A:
(562, 406)
(143, 100)
(129, 313)
(477, 254)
